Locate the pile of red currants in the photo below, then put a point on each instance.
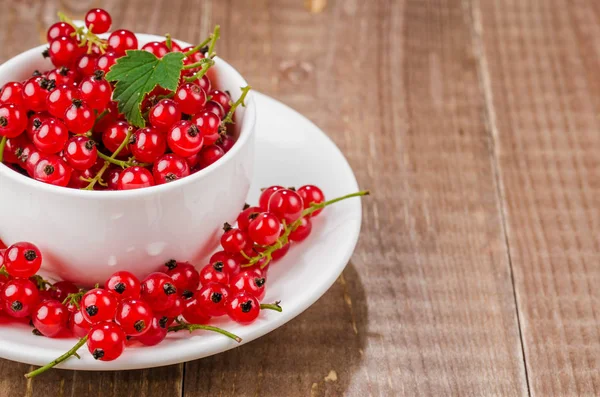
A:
(62, 126)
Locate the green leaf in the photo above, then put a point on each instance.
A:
(136, 74)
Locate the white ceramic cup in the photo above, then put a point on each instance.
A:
(85, 236)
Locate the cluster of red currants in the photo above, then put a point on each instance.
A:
(62, 126)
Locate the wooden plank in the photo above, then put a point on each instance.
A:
(544, 91)
(426, 306)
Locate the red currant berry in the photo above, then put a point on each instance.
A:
(225, 142)
(209, 155)
(243, 308)
(157, 49)
(124, 285)
(95, 91)
(164, 114)
(208, 124)
(98, 305)
(59, 99)
(50, 318)
(191, 98)
(81, 153)
(34, 123)
(35, 91)
(169, 168)
(249, 282)
(185, 276)
(112, 178)
(176, 309)
(51, 137)
(184, 138)
(79, 117)
(204, 83)
(62, 76)
(13, 120)
(53, 170)
(106, 341)
(159, 291)
(114, 135)
(156, 333)
(302, 231)
(122, 40)
(85, 65)
(12, 92)
(14, 149)
(222, 98)
(214, 273)
(19, 296)
(265, 196)
(78, 325)
(216, 108)
(231, 262)
(147, 144)
(59, 29)
(311, 194)
(80, 179)
(194, 58)
(105, 61)
(194, 312)
(61, 289)
(246, 216)
(98, 20)
(233, 240)
(213, 299)
(286, 204)
(22, 260)
(63, 51)
(135, 178)
(280, 253)
(134, 316)
(264, 229)
(33, 158)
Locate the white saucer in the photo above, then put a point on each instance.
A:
(290, 151)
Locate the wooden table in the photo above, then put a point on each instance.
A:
(475, 123)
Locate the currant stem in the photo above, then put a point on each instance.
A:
(198, 47)
(55, 362)
(272, 306)
(199, 63)
(2, 146)
(240, 101)
(86, 36)
(213, 40)
(169, 42)
(98, 176)
(199, 74)
(121, 163)
(287, 230)
(193, 327)
(3, 272)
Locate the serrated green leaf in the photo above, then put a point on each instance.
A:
(136, 74)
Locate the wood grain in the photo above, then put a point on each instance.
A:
(543, 62)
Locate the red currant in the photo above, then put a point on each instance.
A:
(98, 20)
(61, 289)
(14, 149)
(19, 296)
(213, 299)
(134, 316)
(122, 40)
(311, 194)
(216, 108)
(78, 325)
(156, 333)
(33, 158)
(214, 273)
(112, 178)
(164, 114)
(184, 275)
(95, 91)
(243, 308)
(62, 76)
(208, 123)
(280, 253)
(159, 291)
(59, 99)
(79, 117)
(114, 135)
(157, 49)
(98, 305)
(169, 168)
(59, 29)
(264, 229)
(63, 51)
(286, 204)
(51, 137)
(191, 98)
(225, 142)
(233, 240)
(209, 155)
(53, 170)
(148, 144)
(80, 179)
(81, 153)
(13, 120)
(135, 178)
(231, 262)
(246, 216)
(12, 92)
(204, 83)
(35, 91)
(124, 285)
(302, 231)
(222, 98)
(176, 309)
(265, 196)
(184, 138)
(22, 260)
(50, 318)
(249, 282)
(106, 341)
(85, 65)
(105, 61)
(194, 312)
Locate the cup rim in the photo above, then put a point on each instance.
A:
(247, 125)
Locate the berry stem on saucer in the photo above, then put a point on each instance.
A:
(55, 362)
